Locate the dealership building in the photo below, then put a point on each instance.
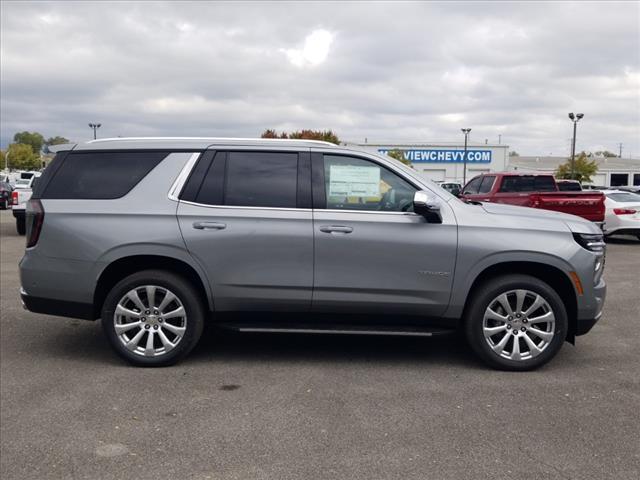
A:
(612, 171)
(445, 161)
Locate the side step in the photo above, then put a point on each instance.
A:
(406, 331)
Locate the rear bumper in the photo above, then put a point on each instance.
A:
(61, 308)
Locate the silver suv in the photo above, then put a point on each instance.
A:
(158, 236)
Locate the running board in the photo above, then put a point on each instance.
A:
(409, 331)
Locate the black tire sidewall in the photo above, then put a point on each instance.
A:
(191, 302)
(21, 226)
(493, 288)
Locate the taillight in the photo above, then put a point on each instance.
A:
(34, 221)
(14, 198)
(624, 211)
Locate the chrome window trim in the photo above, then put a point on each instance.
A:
(242, 207)
(176, 188)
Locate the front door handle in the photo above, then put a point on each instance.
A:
(209, 225)
(335, 229)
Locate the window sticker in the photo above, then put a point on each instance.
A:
(354, 181)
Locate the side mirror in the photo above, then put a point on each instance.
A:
(427, 205)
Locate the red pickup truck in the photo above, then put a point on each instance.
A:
(536, 191)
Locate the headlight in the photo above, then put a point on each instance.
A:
(594, 242)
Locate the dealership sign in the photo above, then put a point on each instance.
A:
(443, 156)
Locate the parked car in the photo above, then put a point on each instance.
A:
(569, 185)
(19, 198)
(5, 195)
(159, 236)
(629, 188)
(623, 213)
(453, 188)
(536, 191)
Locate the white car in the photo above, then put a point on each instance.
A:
(622, 215)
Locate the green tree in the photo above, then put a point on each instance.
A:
(2, 156)
(306, 134)
(605, 153)
(21, 157)
(34, 139)
(398, 154)
(513, 153)
(584, 169)
(57, 140)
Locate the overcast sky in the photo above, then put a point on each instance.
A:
(389, 72)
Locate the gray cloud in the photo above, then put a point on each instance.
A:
(394, 72)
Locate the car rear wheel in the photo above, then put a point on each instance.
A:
(516, 322)
(153, 318)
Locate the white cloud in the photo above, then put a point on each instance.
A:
(387, 71)
(315, 50)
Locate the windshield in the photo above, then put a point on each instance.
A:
(22, 182)
(624, 197)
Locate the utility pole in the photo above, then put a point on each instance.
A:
(575, 119)
(95, 127)
(464, 159)
(499, 139)
(620, 151)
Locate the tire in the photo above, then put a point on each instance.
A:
(485, 313)
(3, 204)
(21, 226)
(185, 331)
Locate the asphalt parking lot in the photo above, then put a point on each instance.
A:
(316, 407)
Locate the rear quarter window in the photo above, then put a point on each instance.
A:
(100, 175)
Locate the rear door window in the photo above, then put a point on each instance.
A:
(245, 179)
(487, 184)
(100, 175)
(544, 184)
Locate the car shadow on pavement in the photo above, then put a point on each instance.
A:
(225, 346)
(84, 342)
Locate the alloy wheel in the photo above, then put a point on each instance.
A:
(150, 320)
(519, 324)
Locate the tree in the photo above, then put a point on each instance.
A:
(21, 157)
(513, 153)
(323, 135)
(57, 140)
(398, 154)
(54, 141)
(584, 169)
(2, 156)
(605, 153)
(33, 139)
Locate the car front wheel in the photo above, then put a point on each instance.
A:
(153, 318)
(516, 322)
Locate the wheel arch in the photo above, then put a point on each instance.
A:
(124, 266)
(553, 276)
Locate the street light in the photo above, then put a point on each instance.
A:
(575, 119)
(464, 170)
(95, 127)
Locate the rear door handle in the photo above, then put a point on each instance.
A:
(336, 229)
(209, 225)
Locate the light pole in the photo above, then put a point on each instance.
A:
(95, 127)
(464, 159)
(575, 119)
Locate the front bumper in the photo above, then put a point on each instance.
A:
(586, 322)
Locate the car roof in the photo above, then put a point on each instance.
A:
(195, 143)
